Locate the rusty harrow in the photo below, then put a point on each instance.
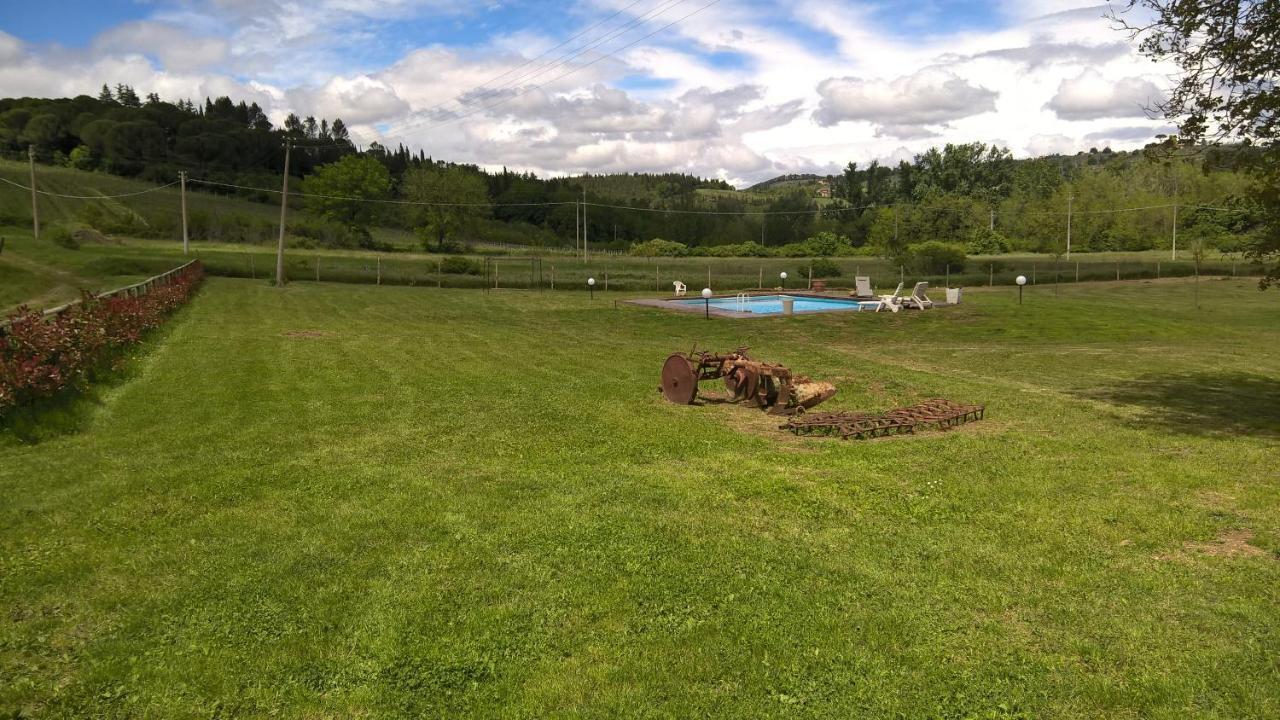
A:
(939, 413)
(753, 383)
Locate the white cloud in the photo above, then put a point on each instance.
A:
(930, 96)
(174, 47)
(357, 100)
(1091, 96)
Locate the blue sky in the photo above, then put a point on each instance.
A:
(741, 90)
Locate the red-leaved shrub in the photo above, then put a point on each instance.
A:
(41, 356)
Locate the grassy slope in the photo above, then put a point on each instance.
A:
(455, 503)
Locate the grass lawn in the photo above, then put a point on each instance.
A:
(353, 501)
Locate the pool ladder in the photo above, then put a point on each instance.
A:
(742, 303)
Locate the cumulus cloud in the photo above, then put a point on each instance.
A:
(357, 100)
(174, 47)
(1090, 96)
(930, 96)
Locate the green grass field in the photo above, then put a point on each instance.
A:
(351, 501)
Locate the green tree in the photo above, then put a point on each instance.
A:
(1229, 89)
(453, 201)
(360, 178)
(127, 97)
(43, 131)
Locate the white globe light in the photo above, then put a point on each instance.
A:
(706, 292)
(782, 275)
(1022, 280)
(591, 281)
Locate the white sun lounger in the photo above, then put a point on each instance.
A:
(893, 302)
(918, 298)
(862, 288)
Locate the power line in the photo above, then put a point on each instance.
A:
(88, 197)
(294, 193)
(543, 54)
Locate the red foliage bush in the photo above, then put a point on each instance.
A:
(40, 357)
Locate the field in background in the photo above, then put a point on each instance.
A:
(42, 273)
(335, 501)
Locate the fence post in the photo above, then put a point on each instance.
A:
(379, 271)
(606, 281)
(553, 277)
(810, 276)
(1157, 269)
(1117, 271)
(252, 274)
(317, 268)
(1077, 271)
(708, 275)
(655, 277)
(991, 277)
(760, 284)
(439, 276)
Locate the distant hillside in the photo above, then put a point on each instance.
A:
(783, 181)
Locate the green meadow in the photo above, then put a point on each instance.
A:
(340, 500)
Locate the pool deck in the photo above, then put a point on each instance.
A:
(681, 304)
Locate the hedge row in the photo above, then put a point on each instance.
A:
(42, 356)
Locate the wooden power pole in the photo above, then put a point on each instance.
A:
(284, 206)
(35, 208)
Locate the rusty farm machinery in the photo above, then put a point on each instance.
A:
(768, 386)
(777, 390)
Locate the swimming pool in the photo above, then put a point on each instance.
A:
(772, 304)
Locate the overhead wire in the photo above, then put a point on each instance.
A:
(541, 55)
(88, 197)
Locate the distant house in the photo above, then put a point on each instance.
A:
(824, 188)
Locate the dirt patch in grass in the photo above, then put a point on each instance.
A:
(1228, 544)
(307, 333)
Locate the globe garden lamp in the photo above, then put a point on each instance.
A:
(783, 276)
(1021, 280)
(706, 301)
(591, 286)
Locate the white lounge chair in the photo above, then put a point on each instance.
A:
(862, 288)
(893, 302)
(681, 289)
(918, 298)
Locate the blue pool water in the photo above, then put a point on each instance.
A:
(772, 304)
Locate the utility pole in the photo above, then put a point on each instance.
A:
(1070, 199)
(35, 209)
(284, 206)
(1175, 215)
(185, 242)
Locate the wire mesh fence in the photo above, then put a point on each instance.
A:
(658, 276)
